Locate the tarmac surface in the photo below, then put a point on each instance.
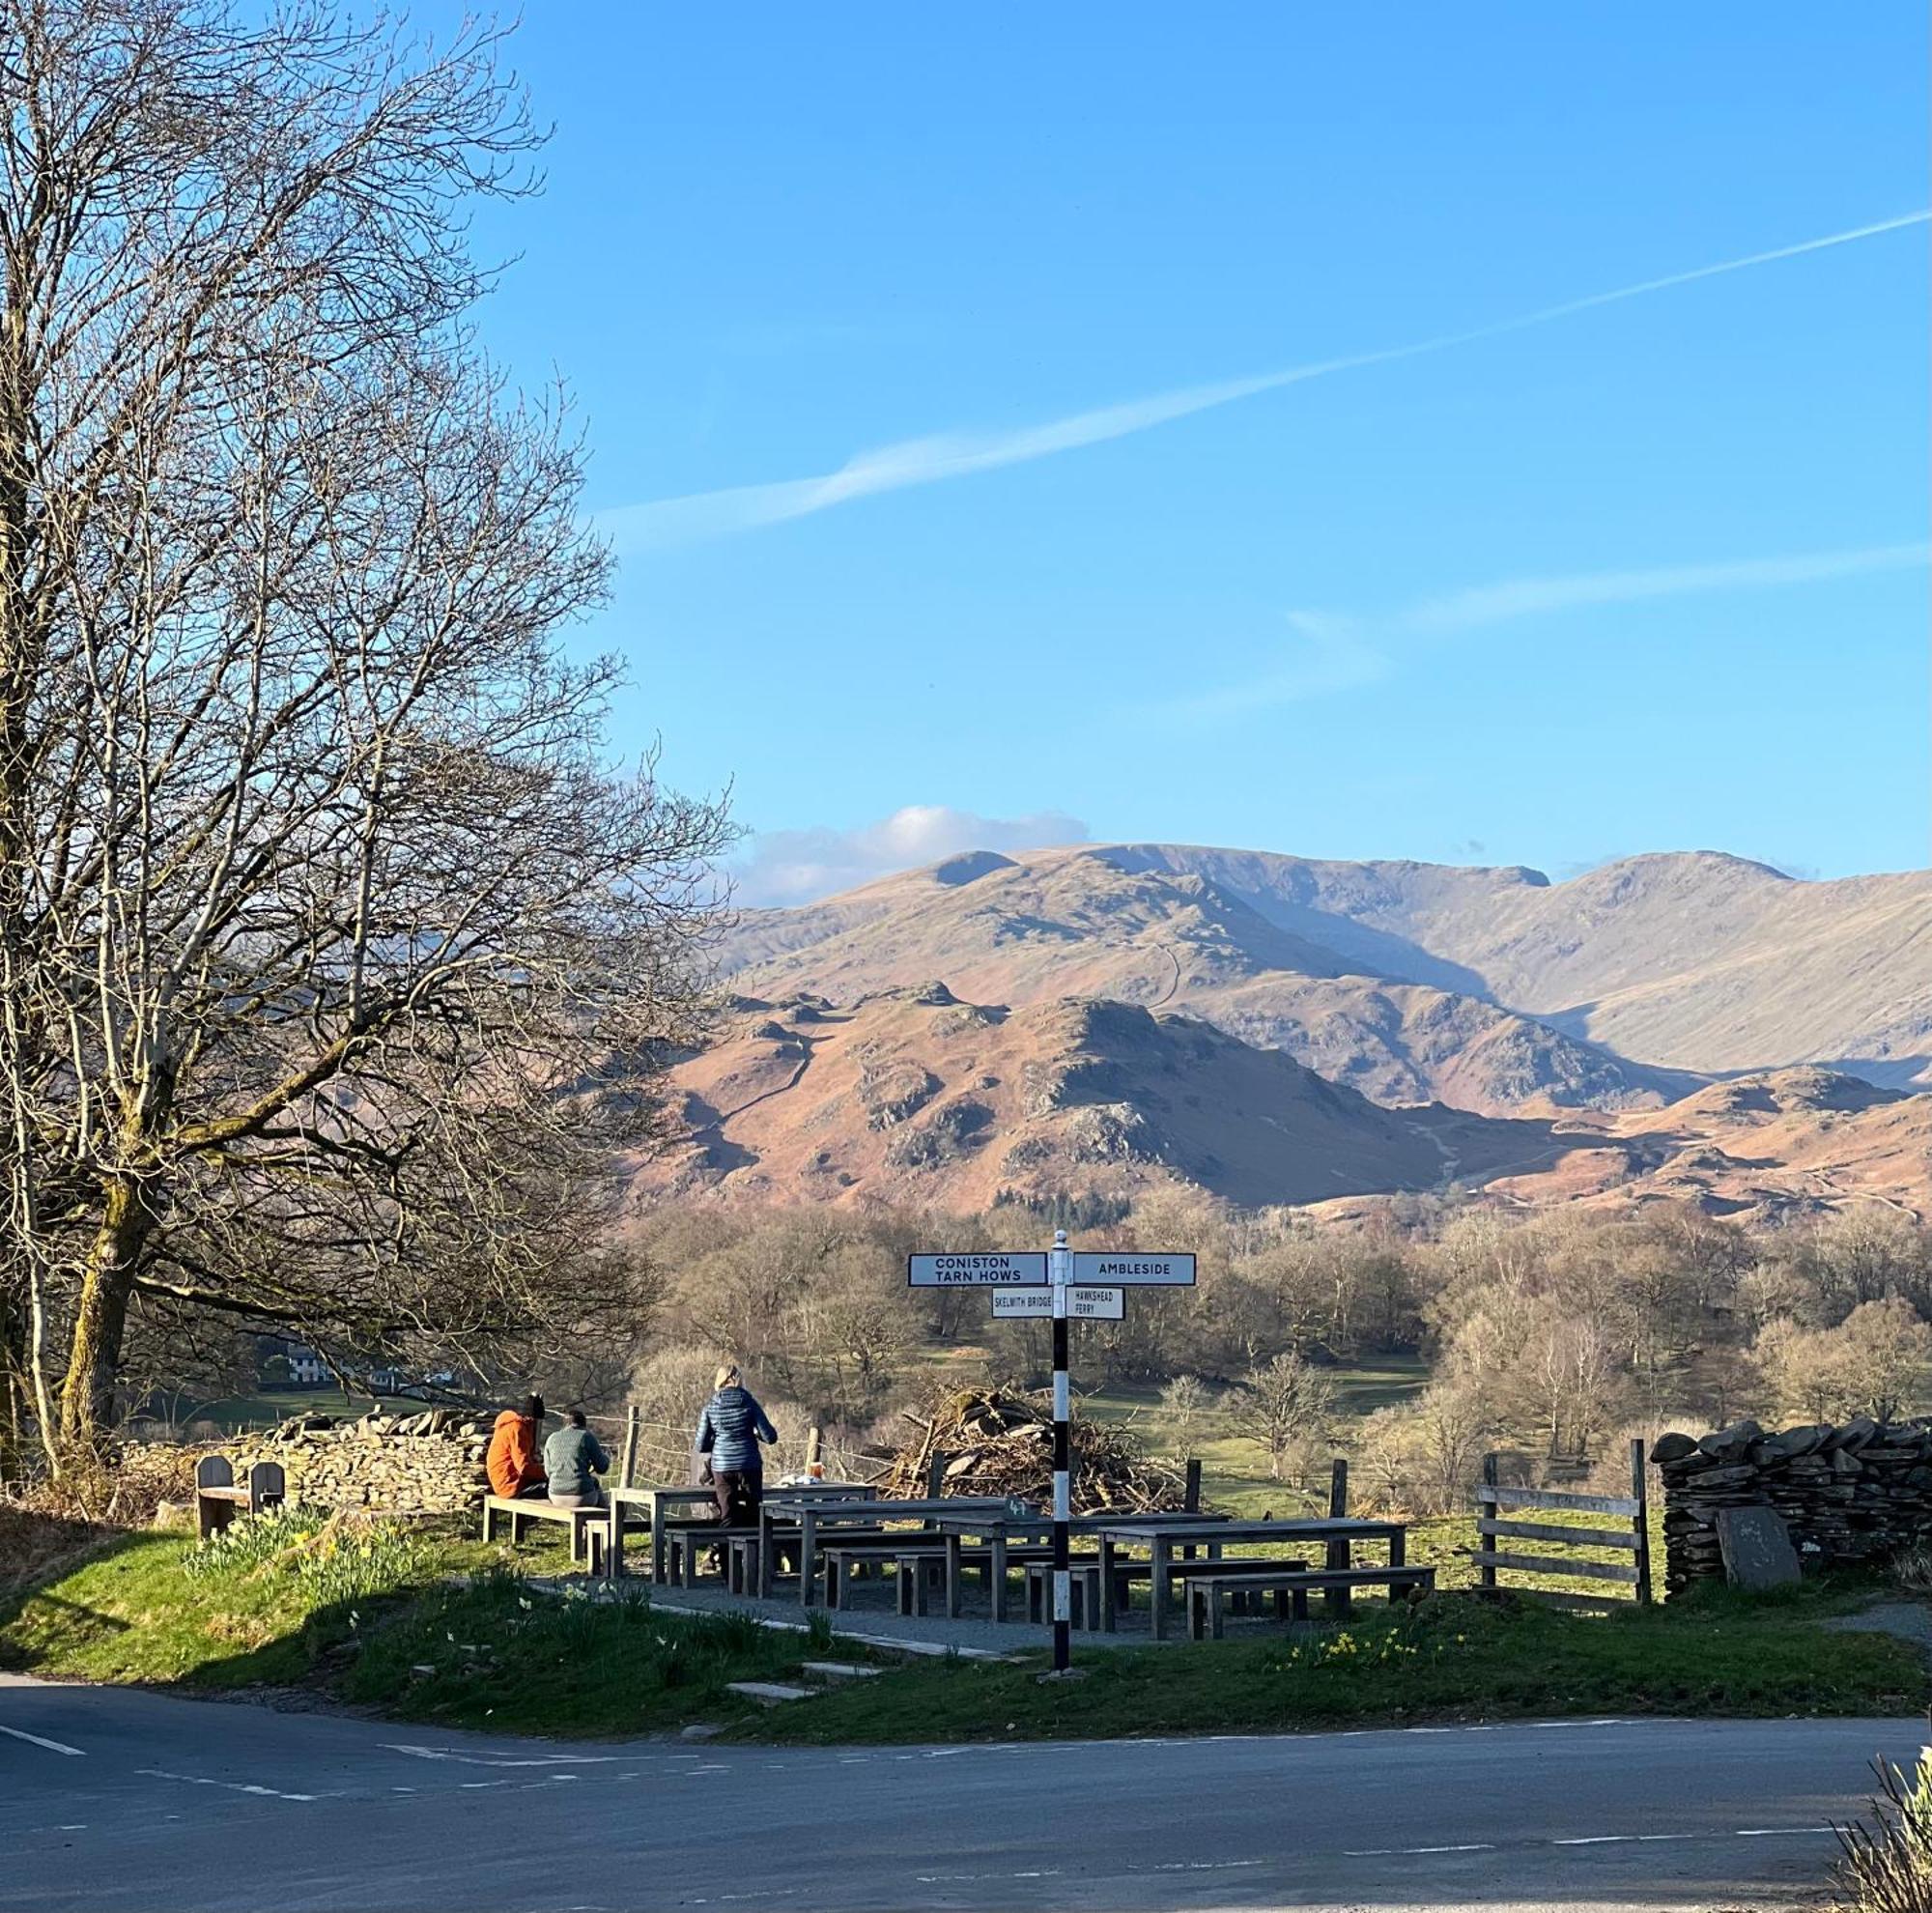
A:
(115, 1798)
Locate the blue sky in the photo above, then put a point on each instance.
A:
(1645, 575)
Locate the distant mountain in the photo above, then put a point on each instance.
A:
(913, 1097)
(1494, 990)
(1113, 924)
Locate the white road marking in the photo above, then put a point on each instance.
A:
(480, 1760)
(38, 1740)
(1394, 1852)
(230, 1786)
(1772, 1832)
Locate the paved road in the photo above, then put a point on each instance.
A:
(111, 1799)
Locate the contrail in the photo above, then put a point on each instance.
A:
(665, 521)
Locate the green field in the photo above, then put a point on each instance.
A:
(1234, 1466)
(233, 1414)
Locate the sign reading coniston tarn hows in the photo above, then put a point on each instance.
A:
(988, 1269)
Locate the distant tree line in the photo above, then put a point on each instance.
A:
(1552, 1332)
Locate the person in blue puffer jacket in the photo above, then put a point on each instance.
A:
(728, 1433)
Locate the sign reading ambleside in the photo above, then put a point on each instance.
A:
(988, 1269)
(1116, 1268)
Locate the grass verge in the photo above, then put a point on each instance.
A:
(417, 1619)
(1452, 1657)
(425, 1623)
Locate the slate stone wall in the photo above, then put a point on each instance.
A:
(1857, 1492)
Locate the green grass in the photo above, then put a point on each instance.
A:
(268, 1608)
(366, 1612)
(233, 1412)
(1450, 1658)
(493, 1654)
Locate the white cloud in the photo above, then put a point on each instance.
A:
(1332, 652)
(926, 461)
(1533, 597)
(785, 867)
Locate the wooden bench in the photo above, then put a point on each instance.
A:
(686, 1542)
(1083, 1583)
(524, 1508)
(918, 1562)
(217, 1500)
(1208, 1587)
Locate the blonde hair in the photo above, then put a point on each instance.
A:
(728, 1373)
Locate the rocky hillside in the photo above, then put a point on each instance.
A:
(1087, 924)
(1495, 990)
(914, 1097)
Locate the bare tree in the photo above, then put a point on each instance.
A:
(334, 956)
(1282, 1401)
(1185, 1400)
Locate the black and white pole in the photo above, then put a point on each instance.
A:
(1060, 1266)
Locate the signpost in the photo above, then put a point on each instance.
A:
(1067, 1285)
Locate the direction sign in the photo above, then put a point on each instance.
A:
(990, 1269)
(1168, 1271)
(1081, 1304)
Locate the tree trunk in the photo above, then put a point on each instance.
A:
(101, 1319)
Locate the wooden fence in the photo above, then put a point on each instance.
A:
(1497, 1520)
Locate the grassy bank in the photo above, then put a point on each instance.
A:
(421, 1621)
(425, 1623)
(1451, 1658)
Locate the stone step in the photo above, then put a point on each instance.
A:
(837, 1670)
(769, 1693)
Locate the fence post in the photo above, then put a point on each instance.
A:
(814, 1441)
(1640, 1493)
(1487, 1509)
(1190, 1499)
(627, 1469)
(935, 1476)
(1336, 1599)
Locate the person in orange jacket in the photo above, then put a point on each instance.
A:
(516, 1443)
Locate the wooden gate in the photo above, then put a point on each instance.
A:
(1629, 1538)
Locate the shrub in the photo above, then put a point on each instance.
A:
(1887, 1866)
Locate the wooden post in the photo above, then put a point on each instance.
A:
(935, 1476)
(1488, 1572)
(1336, 1599)
(628, 1473)
(814, 1441)
(1640, 1493)
(1191, 1499)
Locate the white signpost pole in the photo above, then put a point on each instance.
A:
(1061, 1267)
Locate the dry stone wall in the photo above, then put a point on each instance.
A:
(1854, 1492)
(430, 1463)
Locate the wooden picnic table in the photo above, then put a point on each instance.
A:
(812, 1517)
(658, 1502)
(1161, 1534)
(1003, 1531)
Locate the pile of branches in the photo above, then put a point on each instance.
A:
(1000, 1442)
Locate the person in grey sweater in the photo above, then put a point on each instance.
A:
(573, 1459)
(728, 1433)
